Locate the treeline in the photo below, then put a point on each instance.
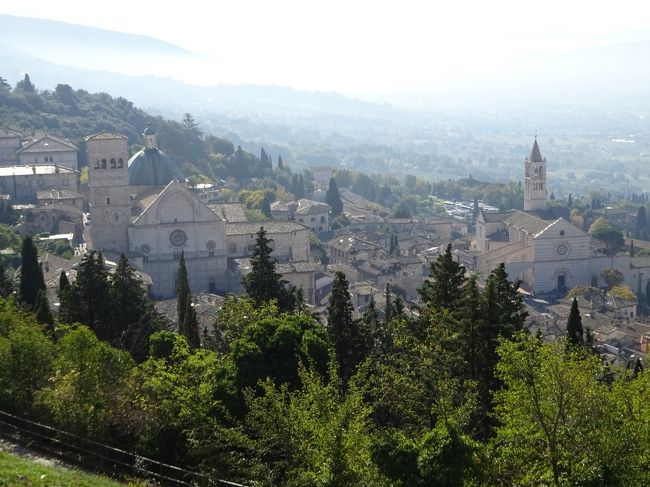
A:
(454, 393)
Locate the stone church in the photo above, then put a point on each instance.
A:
(545, 252)
(141, 206)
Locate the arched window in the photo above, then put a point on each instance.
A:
(103, 165)
(120, 163)
(113, 163)
(96, 163)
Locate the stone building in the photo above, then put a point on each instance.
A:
(144, 209)
(49, 150)
(546, 253)
(9, 145)
(23, 183)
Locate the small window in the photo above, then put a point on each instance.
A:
(108, 201)
(120, 163)
(96, 164)
(103, 164)
(113, 163)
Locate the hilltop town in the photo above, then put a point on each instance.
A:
(141, 205)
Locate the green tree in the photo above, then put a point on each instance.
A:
(26, 356)
(574, 325)
(31, 274)
(63, 282)
(402, 210)
(561, 424)
(641, 220)
(333, 198)
(6, 286)
(263, 283)
(612, 277)
(443, 287)
(88, 299)
(26, 85)
(82, 396)
(602, 230)
(275, 347)
(134, 318)
(347, 337)
(187, 322)
(42, 309)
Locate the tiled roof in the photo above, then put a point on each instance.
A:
(106, 136)
(47, 143)
(495, 216)
(269, 226)
(230, 212)
(526, 221)
(8, 134)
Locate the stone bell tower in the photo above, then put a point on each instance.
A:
(108, 181)
(535, 180)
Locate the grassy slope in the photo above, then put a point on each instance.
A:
(17, 471)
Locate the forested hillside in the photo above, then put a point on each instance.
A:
(74, 114)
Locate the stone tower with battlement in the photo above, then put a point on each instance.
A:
(535, 180)
(108, 181)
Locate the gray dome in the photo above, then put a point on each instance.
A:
(152, 167)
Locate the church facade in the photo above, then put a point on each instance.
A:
(140, 206)
(546, 253)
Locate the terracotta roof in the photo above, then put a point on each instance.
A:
(230, 212)
(495, 216)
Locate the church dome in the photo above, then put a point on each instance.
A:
(152, 167)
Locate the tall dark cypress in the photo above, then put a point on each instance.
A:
(345, 333)
(31, 274)
(42, 309)
(187, 322)
(574, 325)
(333, 198)
(63, 282)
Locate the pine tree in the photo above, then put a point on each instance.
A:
(446, 278)
(574, 325)
(350, 346)
(6, 286)
(263, 283)
(26, 85)
(187, 322)
(88, 299)
(63, 282)
(333, 198)
(31, 274)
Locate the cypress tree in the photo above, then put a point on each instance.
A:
(647, 292)
(88, 299)
(280, 163)
(265, 207)
(446, 278)
(42, 309)
(333, 198)
(187, 322)
(345, 333)
(63, 282)
(574, 325)
(31, 274)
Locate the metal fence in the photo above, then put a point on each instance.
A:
(97, 457)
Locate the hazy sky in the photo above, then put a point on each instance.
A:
(357, 46)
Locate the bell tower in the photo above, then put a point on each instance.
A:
(108, 181)
(535, 180)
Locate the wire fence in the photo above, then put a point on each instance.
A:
(97, 457)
